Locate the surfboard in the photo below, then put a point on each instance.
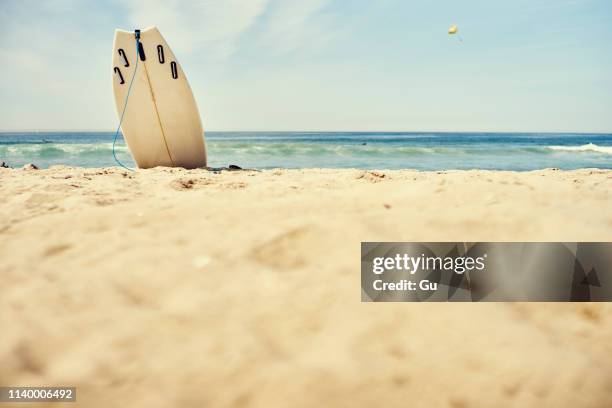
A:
(161, 124)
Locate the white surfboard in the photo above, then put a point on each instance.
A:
(161, 124)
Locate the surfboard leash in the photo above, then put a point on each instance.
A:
(125, 104)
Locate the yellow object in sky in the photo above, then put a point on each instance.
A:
(453, 29)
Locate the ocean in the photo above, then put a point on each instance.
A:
(364, 150)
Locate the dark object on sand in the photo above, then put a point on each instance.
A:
(30, 166)
(4, 165)
(231, 167)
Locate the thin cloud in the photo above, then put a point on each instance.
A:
(292, 24)
(214, 26)
(220, 28)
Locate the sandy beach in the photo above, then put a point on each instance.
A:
(168, 287)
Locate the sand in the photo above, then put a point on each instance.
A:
(169, 287)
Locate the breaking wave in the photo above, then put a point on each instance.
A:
(589, 147)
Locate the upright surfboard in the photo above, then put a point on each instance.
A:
(161, 124)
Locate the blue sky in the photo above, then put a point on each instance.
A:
(523, 65)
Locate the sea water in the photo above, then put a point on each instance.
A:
(364, 150)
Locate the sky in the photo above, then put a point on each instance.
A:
(322, 65)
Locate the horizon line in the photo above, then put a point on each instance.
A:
(322, 131)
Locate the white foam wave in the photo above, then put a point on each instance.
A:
(590, 147)
(43, 149)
